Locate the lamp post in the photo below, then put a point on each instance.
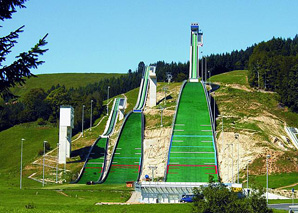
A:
(165, 89)
(267, 157)
(232, 162)
(57, 163)
(247, 173)
(44, 152)
(108, 100)
(91, 115)
(202, 67)
(161, 110)
(236, 137)
(83, 120)
(206, 75)
(21, 169)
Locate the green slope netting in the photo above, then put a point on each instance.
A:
(127, 157)
(192, 156)
(94, 166)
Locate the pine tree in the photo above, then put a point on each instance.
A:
(14, 73)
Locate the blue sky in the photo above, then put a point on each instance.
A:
(114, 36)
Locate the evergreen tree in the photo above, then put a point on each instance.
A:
(14, 73)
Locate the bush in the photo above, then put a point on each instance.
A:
(41, 121)
(216, 197)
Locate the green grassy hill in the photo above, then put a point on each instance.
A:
(75, 80)
(259, 119)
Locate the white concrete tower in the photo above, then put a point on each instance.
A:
(122, 106)
(65, 132)
(196, 40)
(152, 86)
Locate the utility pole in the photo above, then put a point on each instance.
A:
(44, 152)
(21, 169)
(91, 115)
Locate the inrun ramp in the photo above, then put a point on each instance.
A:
(192, 155)
(127, 155)
(94, 166)
(143, 91)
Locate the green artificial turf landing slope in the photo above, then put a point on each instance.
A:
(126, 162)
(94, 166)
(192, 154)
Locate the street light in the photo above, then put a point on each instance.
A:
(202, 67)
(21, 169)
(108, 100)
(91, 115)
(232, 162)
(206, 75)
(247, 173)
(161, 109)
(44, 152)
(236, 137)
(165, 89)
(83, 120)
(267, 157)
(57, 163)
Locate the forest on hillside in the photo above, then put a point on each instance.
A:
(273, 66)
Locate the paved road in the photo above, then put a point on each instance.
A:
(283, 206)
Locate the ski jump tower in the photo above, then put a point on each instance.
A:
(65, 132)
(152, 86)
(196, 40)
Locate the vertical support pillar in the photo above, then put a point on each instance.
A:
(66, 123)
(152, 86)
(121, 114)
(121, 107)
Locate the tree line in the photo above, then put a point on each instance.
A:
(273, 66)
(215, 63)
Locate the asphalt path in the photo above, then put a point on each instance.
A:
(283, 206)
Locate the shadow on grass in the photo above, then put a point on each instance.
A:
(97, 152)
